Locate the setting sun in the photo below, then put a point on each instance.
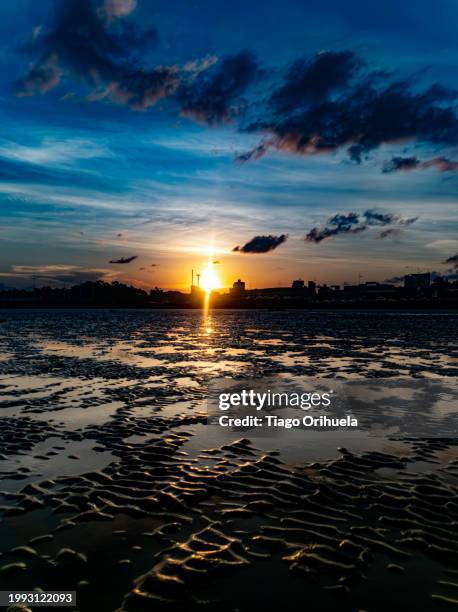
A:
(209, 279)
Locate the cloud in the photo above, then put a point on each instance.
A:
(141, 89)
(317, 235)
(333, 101)
(41, 77)
(391, 232)
(434, 276)
(53, 151)
(395, 280)
(208, 98)
(118, 8)
(123, 260)
(452, 260)
(372, 217)
(261, 244)
(57, 274)
(100, 46)
(356, 223)
(325, 103)
(313, 82)
(255, 153)
(344, 220)
(442, 164)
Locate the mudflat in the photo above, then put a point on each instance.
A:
(112, 484)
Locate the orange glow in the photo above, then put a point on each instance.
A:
(209, 279)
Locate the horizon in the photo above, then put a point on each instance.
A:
(226, 289)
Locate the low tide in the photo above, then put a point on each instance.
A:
(113, 485)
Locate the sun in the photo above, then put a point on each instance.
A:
(209, 279)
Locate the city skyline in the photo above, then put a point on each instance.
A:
(144, 139)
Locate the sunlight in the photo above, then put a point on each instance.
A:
(209, 279)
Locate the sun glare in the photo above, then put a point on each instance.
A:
(209, 279)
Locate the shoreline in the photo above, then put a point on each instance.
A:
(360, 307)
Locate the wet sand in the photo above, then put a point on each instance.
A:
(112, 484)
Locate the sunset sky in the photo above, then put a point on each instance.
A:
(167, 132)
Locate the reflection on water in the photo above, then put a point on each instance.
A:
(89, 369)
(106, 450)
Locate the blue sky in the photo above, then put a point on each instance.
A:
(169, 130)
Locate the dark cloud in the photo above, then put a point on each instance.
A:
(94, 44)
(373, 217)
(442, 164)
(312, 82)
(141, 89)
(391, 232)
(40, 77)
(355, 223)
(400, 163)
(333, 101)
(261, 244)
(344, 220)
(101, 46)
(434, 277)
(395, 280)
(209, 97)
(453, 260)
(123, 260)
(317, 235)
(325, 103)
(338, 224)
(253, 154)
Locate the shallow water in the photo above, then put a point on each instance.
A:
(102, 420)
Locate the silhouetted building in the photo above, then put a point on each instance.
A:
(311, 286)
(298, 285)
(238, 288)
(324, 291)
(196, 290)
(417, 281)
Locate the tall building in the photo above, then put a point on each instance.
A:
(311, 286)
(298, 285)
(238, 288)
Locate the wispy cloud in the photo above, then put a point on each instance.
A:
(406, 164)
(57, 274)
(52, 151)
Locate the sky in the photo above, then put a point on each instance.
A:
(313, 139)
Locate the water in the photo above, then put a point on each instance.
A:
(102, 413)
